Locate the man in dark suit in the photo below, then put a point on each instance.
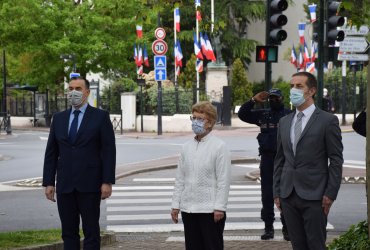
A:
(308, 165)
(81, 156)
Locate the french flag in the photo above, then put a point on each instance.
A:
(199, 66)
(178, 54)
(301, 62)
(301, 28)
(177, 71)
(146, 59)
(197, 50)
(306, 55)
(139, 56)
(210, 54)
(177, 19)
(313, 51)
(135, 55)
(312, 9)
(140, 70)
(198, 15)
(310, 67)
(293, 57)
(203, 44)
(139, 31)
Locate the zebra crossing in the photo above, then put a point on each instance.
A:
(146, 208)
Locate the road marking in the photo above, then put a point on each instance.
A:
(252, 165)
(4, 188)
(154, 179)
(135, 194)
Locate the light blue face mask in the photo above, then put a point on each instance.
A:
(197, 125)
(296, 97)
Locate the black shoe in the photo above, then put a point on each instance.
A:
(269, 233)
(285, 234)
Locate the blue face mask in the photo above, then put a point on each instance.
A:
(197, 125)
(296, 97)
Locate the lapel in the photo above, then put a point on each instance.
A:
(310, 122)
(65, 121)
(287, 128)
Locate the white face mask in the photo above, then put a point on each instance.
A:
(75, 97)
(297, 97)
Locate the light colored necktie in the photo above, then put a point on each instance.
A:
(297, 130)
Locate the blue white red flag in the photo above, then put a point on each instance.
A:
(146, 59)
(135, 54)
(139, 31)
(198, 15)
(313, 51)
(301, 62)
(197, 50)
(140, 58)
(312, 9)
(310, 67)
(140, 70)
(178, 71)
(293, 57)
(306, 55)
(210, 54)
(177, 19)
(203, 44)
(178, 54)
(301, 28)
(199, 66)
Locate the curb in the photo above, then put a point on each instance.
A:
(106, 239)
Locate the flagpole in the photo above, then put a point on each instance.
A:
(197, 34)
(212, 15)
(175, 43)
(175, 39)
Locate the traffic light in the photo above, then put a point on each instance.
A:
(266, 53)
(334, 21)
(277, 20)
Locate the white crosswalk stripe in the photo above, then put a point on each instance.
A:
(146, 208)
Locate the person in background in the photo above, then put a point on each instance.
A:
(267, 120)
(327, 101)
(202, 183)
(359, 124)
(308, 165)
(81, 156)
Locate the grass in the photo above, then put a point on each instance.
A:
(18, 239)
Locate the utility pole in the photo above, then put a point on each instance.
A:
(320, 59)
(267, 42)
(159, 96)
(4, 84)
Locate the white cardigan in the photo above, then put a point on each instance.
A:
(203, 176)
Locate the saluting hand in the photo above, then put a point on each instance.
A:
(261, 96)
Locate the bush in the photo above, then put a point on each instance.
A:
(356, 238)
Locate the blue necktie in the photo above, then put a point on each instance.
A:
(74, 126)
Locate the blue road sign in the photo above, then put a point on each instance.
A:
(160, 74)
(160, 62)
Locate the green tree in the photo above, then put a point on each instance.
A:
(241, 88)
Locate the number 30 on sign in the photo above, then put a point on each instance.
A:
(159, 47)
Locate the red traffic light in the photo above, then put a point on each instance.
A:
(266, 53)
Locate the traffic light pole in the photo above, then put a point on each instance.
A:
(267, 42)
(320, 59)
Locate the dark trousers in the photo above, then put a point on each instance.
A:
(267, 171)
(306, 222)
(201, 232)
(70, 207)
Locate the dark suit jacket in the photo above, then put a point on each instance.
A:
(359, 124)
(86, 164)
(309, 172)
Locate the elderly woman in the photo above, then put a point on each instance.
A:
(202, 183)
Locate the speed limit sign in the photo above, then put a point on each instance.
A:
(159, 47)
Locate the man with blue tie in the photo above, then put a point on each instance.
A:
(79, 166)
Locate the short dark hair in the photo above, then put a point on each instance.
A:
(87, 83)
(311, 79)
